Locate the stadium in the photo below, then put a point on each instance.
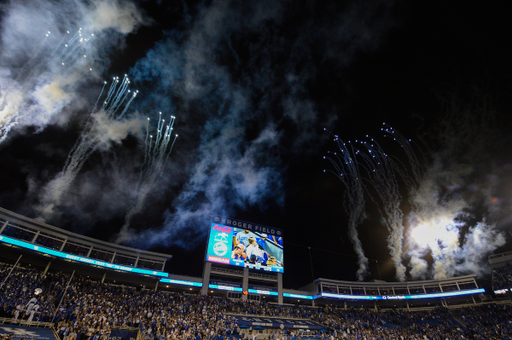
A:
(62, 285)
(343, 170)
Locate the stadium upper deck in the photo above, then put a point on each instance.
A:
(24, 233)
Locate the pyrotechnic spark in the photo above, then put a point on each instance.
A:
(381, 172)
(436, 220)
(95, 134)
(417, 169)
(157, 152)
(347, 170)
(382, 177)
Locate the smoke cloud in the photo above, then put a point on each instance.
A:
(456, 205)
(49, 50)
(99, 135)
(239, 78)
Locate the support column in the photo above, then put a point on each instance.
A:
(47, 267)
(35, 236)
(280, 288)
(3, 227)
(245, 283)
(206, 277)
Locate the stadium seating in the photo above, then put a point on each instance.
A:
(84, 309)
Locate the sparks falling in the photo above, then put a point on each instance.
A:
(346, 168)
(102, 127)
(158, 148)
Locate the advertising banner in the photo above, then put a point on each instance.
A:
(252, 321)
(19, 332)
(122, 335)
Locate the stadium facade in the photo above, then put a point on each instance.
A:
(49, 246)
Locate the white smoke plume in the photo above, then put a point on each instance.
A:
(101, 132)
(480, 241)
(455, 207)
(49, 49)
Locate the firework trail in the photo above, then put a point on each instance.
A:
(413, 180)
(157, 151)
(381, 175)
(443, 194)
(413, 177)
(347, 170)
(381, 172)
(100, 129)
(39, 84)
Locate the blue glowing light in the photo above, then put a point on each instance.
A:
(262, 292)
(80, 258)
(181, 282)
(298, 296)
(402, 297)
(230, 288)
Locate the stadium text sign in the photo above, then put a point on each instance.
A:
(275, 322)
(246, 225)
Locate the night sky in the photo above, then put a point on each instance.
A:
(252, 87)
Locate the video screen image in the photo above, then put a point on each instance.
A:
(245, 248)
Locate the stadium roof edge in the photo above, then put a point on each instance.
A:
(397, 283)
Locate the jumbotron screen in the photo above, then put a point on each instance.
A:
(244, 244)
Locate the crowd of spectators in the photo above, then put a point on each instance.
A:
(89, 310)
(502, 278)
(437, 323)
(83, 309)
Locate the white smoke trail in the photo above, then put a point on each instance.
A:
(382, 176)
(103, 128)
(157, 151)
(380, 173)
(346, 168)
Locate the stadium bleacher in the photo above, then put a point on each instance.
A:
(81, 308)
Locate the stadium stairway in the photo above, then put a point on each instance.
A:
(456, 321)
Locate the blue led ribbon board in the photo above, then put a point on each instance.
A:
(403, 297)
(183, 283)
(77, 258)
(298, 296)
